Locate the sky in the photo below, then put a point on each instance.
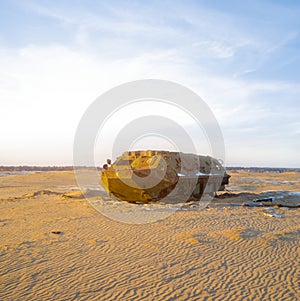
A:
(241, 57)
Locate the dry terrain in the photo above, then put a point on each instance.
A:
(56, 246)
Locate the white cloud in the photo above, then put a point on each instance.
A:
(45, 90)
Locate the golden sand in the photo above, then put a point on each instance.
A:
(56, 246)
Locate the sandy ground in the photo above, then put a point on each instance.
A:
(56, 246)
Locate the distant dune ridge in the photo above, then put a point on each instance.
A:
(56, 246)
(62, 168)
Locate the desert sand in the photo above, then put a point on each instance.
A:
(56, 246)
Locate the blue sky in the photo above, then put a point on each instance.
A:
(241, 57)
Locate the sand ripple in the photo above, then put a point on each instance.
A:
(60, 248)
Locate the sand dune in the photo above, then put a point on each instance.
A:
(56, 246)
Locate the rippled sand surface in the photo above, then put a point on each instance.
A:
(56, 246)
